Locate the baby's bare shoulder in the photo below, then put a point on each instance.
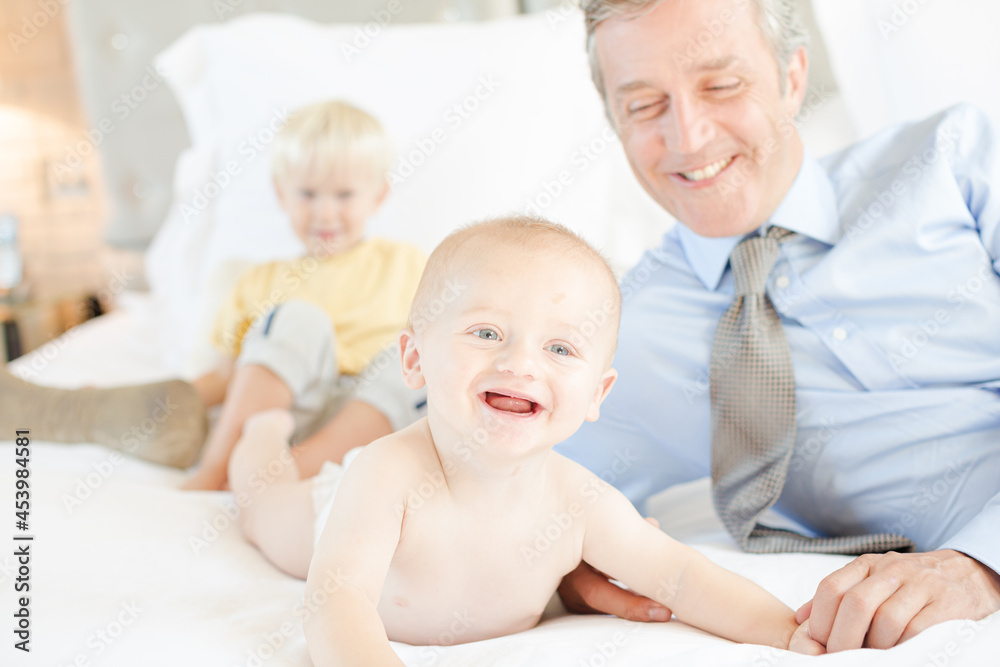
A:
(401, 456)
(575, 483)
(569, 473)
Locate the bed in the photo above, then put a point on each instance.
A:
(127, 570)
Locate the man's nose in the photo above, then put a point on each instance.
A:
(687, 127)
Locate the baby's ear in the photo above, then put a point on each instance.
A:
(409, 355)
(603, 387)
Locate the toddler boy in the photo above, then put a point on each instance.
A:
(330, 166)
(292, 335)
(442, 517)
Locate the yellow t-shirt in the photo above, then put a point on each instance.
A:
(365, 290)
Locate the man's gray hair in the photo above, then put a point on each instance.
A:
(779, 20)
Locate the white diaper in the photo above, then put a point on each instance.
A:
(324, 489)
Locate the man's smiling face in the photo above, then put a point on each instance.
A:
(704, 123)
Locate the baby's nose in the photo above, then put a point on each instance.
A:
(517, 360)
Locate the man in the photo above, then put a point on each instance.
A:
(887, 294)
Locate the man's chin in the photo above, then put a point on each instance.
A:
(708, 215)
(720, 228)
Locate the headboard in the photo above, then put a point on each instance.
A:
(114, 44)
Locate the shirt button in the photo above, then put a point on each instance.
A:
(782, 282)
(840, 333)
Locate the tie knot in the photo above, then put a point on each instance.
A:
(753, 259)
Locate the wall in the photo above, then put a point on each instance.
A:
(83, 223)
(115, 43)
(61, 211)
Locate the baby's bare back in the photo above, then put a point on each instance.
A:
(465, 571)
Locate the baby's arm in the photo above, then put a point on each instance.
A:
(619, 542)
(351, 560)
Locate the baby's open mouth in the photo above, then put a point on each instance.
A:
(506, 403)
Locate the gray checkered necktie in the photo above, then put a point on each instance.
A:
(753, 413)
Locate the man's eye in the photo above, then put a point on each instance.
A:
(724, 87)
(639, 108)
(559, 349)
(486, 334)
(645, 108)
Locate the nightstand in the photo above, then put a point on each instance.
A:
(26, 324)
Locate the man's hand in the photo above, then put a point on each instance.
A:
(588, 591)
(880, 600)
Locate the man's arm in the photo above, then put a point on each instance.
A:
(618, 541)
(351, 561)
(881, 600)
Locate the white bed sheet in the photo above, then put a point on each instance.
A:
(127, 570)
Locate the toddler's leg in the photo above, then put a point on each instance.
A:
(381, 404)
(162, 422)
(280, 516)
(252, 389)
(357, 424)
(287, 359)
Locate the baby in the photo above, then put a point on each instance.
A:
(512, 331)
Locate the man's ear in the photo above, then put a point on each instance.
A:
(603, 388)
(409, 356)
(797, 79)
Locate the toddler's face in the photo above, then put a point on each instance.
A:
(521, 357)
(328, 212)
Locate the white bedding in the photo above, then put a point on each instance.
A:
(127, 570)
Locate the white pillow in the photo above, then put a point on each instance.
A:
(488, 118)
(899, 60)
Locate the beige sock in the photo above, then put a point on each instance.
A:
(162, 422)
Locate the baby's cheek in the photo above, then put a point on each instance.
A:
(588, 407)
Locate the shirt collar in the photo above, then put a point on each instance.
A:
(809, 208)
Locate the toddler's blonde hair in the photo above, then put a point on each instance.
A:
(328, 137)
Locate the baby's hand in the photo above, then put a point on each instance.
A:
(801, 642)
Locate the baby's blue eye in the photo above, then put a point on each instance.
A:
(486, 334)
(306, 194)
(559, 349)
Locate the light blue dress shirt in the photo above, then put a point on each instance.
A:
(890, 300)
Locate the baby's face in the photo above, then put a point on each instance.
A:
(328, 213)
(521, 357)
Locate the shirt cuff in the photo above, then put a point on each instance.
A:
(980, 538)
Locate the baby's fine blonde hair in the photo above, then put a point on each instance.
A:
(331, 136)
(533, 237)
